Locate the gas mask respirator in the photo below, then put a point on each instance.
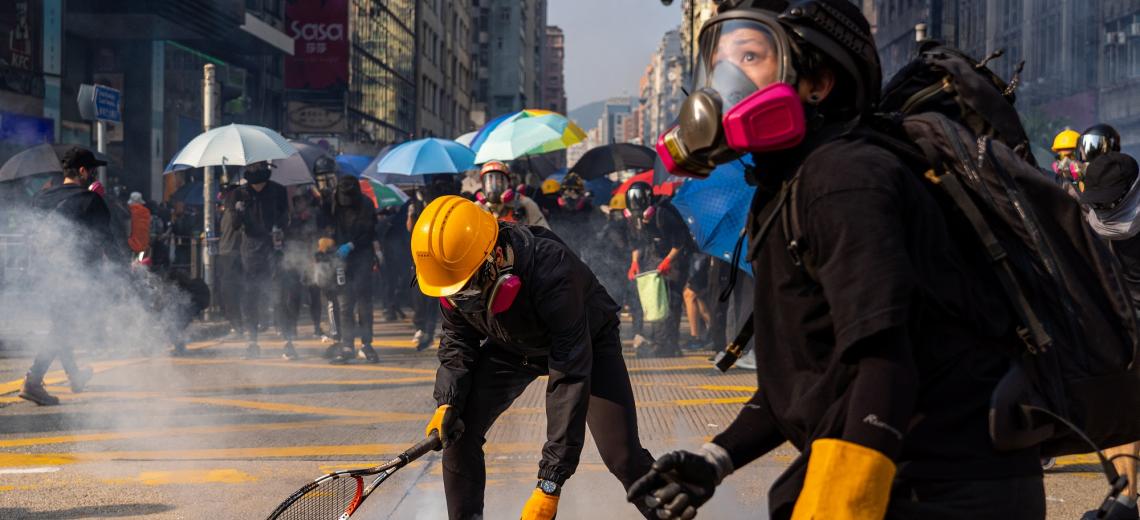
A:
(746, 100)
(492, 290)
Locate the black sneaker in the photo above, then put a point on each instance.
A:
(343, 356)
(1119, 511)
(370, 354)
(252, 351)
(79, 381)
(330, 351)
(36, 393)
(290, 353)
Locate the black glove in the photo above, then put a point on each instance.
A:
(679, 483)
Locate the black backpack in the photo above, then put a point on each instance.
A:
(1075, 387)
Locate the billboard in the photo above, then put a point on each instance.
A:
(319, 29)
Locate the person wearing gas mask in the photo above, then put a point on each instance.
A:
(661, 242)
(1066, 166)
(87, 214)
(354, 221)
(876, 340)
(575, 218)
(517, 305)
(1112, 200)
(262, 210)
(505, 202)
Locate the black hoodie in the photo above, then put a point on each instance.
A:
(354, 218)
(87, 210)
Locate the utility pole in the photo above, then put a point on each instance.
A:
(210, 98)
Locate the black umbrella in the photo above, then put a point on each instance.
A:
(607, 159)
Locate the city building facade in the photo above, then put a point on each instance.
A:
(443, 68)
(508, 41)
(553, 70)
(153, 51)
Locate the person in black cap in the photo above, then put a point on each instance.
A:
(91, 218)
(262, 207)
(1113, 211)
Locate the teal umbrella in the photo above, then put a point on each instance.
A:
(385, 195)
(529, 132)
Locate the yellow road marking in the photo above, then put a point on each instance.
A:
(189, 476)
(727, 388)
(58, 376)
(715, 400)
(293, 364)
(303, 409)
(180, 431)
(378, 452)
(671, 368)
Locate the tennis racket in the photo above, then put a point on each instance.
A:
(338, 495)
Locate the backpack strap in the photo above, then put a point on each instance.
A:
(1032, 332)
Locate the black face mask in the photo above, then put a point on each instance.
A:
(257, 176)
(347, 193)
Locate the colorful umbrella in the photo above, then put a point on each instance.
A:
(467, 139)
(383, 195)
(482, 133)
(715, 210)
(529, 132)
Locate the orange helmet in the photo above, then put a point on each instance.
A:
(495, 166)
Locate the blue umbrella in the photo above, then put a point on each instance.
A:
(714, 209)
(353, 165)
(411, 161)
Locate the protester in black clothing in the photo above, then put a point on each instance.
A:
(661, 242)
(392, 231)
(88, 220)
(576, 219)
(1112, 200)
(517, 305)
(354, 220)
(228, 260)
(879, 338)
(262, 207)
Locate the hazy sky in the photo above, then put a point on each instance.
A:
(608, 43)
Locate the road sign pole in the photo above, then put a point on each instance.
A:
(210, 97)
(101, 147)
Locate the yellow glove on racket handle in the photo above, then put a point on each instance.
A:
(446, 424)
(540, 506)
(845, 481)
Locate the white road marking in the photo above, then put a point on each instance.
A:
(25, 471)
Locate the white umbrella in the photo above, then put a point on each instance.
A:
(233, 145)
(467, 138)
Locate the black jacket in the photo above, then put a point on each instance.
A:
(356, 225)
(550, 328)
(1128, 252)
(263, 210)
(88, 211)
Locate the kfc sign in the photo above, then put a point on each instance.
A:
(319, 30)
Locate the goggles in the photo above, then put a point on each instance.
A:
(742, 52)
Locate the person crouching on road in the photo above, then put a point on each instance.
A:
(518, 304)
(354, 218)
(504, 202)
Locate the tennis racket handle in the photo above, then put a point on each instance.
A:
(428, 444)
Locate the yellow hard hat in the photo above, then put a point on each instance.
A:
(1066, 140)
(452, 238)
(617, 201)
(550, 186)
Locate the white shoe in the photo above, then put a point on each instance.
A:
(748, 360)
(418, 336)
(327, 340)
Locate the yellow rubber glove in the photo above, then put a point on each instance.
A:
(446, 424)
(540, 506)
(845, 481)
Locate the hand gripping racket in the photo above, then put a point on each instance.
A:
(339, 494)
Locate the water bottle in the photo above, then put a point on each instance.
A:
(341, 279)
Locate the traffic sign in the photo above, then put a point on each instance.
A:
(107, 101)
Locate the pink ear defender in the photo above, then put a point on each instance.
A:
(503, 295)
(508, 196)
(649, 212)
(446, 303)
(769, 119)
(627, 213)
(481, 198)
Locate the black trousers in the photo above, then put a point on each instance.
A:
(230, 288)
(612, 420)
(256, 290)
(425, 313)
(1019, 498)
(356, 304)
(288, 303)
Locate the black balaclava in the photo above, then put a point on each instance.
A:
(257, 173)
(348, 191)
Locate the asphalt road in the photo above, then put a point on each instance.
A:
(213, 436)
